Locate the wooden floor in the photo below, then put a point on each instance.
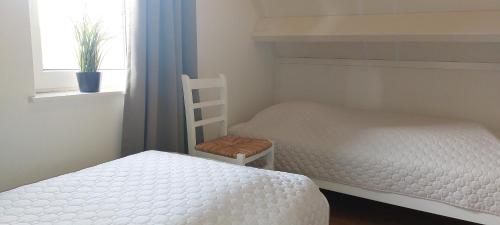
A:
(347, 210)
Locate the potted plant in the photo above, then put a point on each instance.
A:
(90, 38)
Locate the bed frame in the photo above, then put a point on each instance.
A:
(412, 203)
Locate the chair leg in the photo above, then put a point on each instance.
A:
(270, 160)
(241, 159)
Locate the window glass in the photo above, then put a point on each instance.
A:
(57, 19)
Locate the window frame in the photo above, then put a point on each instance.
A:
(61, 80)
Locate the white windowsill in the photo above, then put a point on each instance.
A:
(55, 96)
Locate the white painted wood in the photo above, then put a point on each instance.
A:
(412, 203)
(221, 84)
(223, 96)
(466, 52)
(270, 159)
(207, 104)
(394, 64)
(36, 42)
(240, 158)
(474, 26)
(72, 95)
(202, 123)
(190, 120)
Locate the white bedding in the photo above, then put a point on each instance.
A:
(453, 162)
(162, 188)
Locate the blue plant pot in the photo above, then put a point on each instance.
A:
(89, 82)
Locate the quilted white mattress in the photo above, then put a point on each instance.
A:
(457, 163)
(162, 188)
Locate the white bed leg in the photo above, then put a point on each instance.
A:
(270, 159)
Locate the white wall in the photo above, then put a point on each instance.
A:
(46, 139)
(225, 45)
(314, 71)
(463, 91)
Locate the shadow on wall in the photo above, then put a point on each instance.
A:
(277, 8)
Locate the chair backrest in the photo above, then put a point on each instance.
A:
(189, 85)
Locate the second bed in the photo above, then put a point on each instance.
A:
(431, 159)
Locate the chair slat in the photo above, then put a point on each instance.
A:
(209, 121)
(207, 104)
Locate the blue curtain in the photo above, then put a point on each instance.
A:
(162, 47)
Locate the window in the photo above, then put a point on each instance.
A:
(54, 44)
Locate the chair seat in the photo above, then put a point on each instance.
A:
(231, 146)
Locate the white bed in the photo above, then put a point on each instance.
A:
(161, 188)
(436, 165)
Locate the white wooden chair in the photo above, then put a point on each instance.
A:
(231, 149)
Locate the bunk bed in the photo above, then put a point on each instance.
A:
(436, 165)
(162, 188)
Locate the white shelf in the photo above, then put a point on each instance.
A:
(477, 26)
